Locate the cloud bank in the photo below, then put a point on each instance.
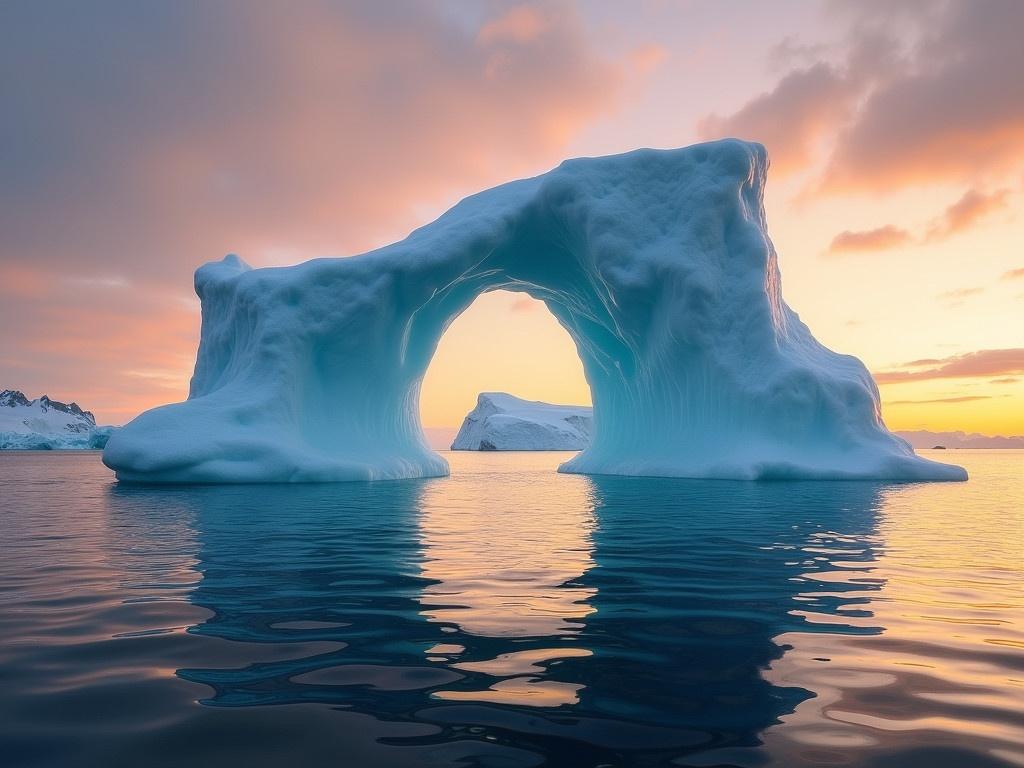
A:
(143, 139)
(986, 362)
(920, 92)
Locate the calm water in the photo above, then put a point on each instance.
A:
(511, 616)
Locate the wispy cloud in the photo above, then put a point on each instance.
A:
(972, 207)
(957, 296)
(520, 24)
(961, 399)
(965, 212)
(98, 281)
(986, 362)
(880, 239)
(1014, 274)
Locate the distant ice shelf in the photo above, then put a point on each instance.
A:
(502, 422)
(657, 263)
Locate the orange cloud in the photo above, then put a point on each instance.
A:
(520, 24)
(308, 130)
(966, 211)
(647, 58)
(1014, 274)
(88, 337)
(956, 297)
(878, 239)
(21, 281)
(316, 129)
(986, 362)
(790, 119)
(951, 112)
(961, 215)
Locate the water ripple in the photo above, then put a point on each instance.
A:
(511, 616)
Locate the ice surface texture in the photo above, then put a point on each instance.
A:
(503, 422)
(657, 263)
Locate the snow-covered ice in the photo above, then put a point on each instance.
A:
(45, 424)
(502, 422)
(657, 263)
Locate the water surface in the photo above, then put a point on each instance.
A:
(511, 616)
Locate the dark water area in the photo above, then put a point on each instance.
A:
(511, 616)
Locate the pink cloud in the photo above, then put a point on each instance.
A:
(878, 239)
(986, 362)
(925, 94)
(647, 58)
(318, 129)
(958, 217)
(520, 24)
(790, 119)
(952, 112)
(967, 211)
(114, 357)
(19, 281)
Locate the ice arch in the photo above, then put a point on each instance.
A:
(657, 263)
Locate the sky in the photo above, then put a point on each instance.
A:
(141, 139)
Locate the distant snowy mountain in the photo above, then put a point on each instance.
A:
(925, 439)
(45, 424)
(501, 422)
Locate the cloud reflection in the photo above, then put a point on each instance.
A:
(508, 573)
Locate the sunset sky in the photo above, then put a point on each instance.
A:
(140, 139)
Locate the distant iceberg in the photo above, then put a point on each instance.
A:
(44, 425)
(502, 422)
(656, 262)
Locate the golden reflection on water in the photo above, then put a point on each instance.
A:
(508, 576)
(944, 591)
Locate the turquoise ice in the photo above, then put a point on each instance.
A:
(656, 262)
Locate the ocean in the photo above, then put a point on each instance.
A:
(511, 616)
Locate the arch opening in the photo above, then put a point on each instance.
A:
(504, 342)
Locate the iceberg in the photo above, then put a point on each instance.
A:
(502, 422)
(657, 263)
(47, 425)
